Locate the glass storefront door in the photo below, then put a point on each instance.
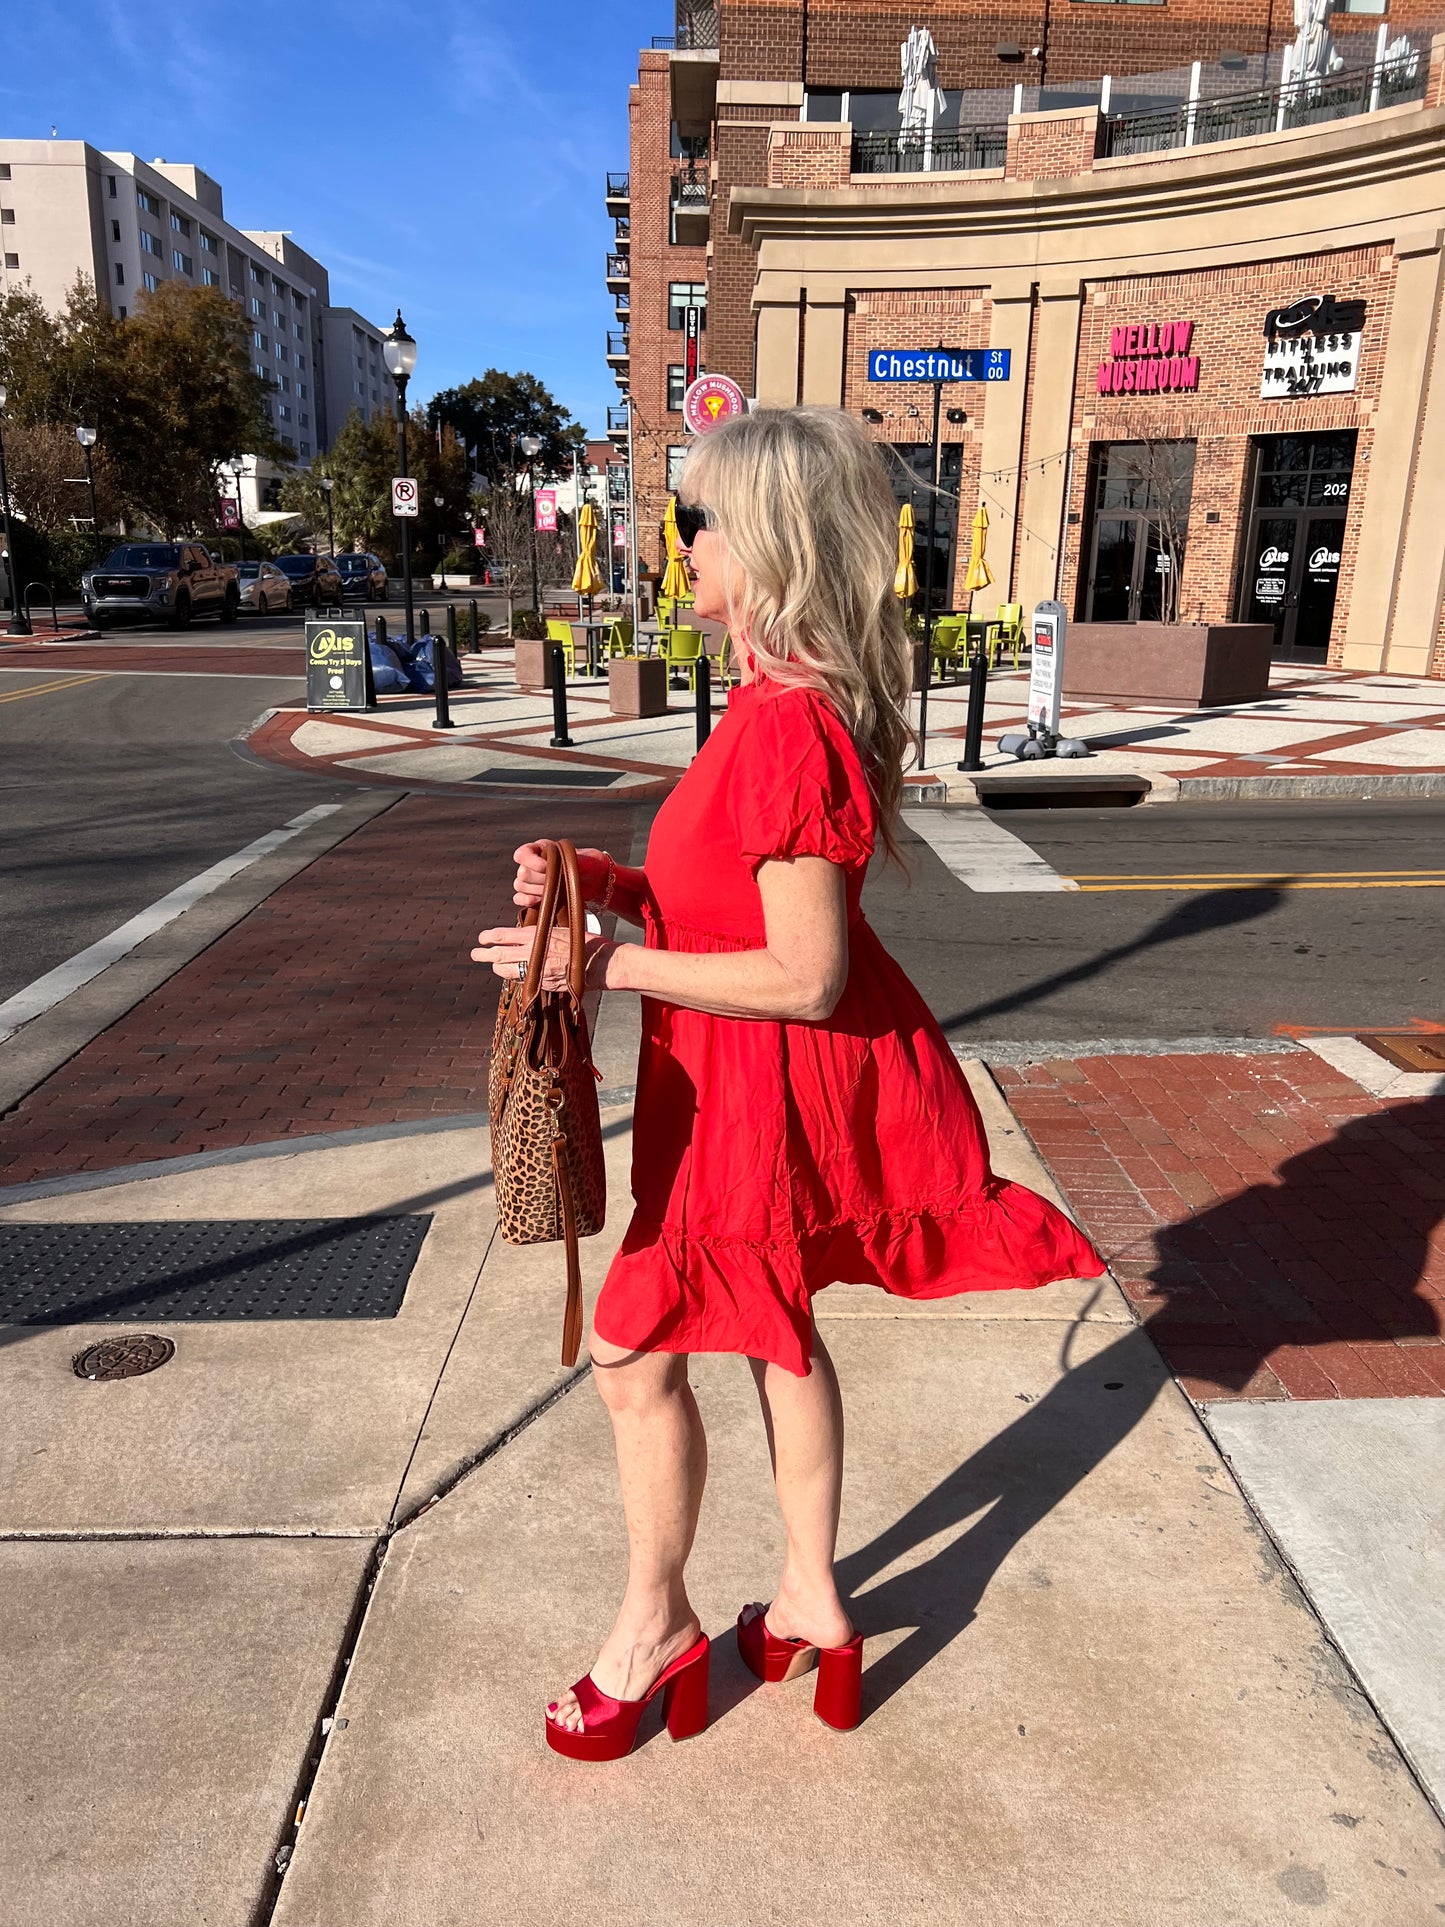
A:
(1138, 499)
(1296, 530)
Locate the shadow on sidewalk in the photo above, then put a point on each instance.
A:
(1336, 1251)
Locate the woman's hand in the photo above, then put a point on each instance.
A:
(506, 948)
(531, 861)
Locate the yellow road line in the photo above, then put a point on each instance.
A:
(1423, 881)
(46, 688)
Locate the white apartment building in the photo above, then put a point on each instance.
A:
(66, 209)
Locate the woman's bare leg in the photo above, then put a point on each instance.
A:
(662, 1465)
(804, 1419)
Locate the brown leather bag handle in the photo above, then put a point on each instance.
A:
(564, 878)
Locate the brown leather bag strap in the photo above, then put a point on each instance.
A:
(576, 921)
(544, 916)
(572, 1316)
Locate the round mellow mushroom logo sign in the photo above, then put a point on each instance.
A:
(711, 401)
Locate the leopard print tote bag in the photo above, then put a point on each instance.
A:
(547, 1168)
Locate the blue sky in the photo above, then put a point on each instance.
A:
(447, 156)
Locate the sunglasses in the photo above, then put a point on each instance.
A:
(692, 519)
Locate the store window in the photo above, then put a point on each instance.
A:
(1299, 498)
(675, 459)
(1137, 525)
(676, 387)
(682, 295)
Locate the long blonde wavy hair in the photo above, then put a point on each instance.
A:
(803, 502)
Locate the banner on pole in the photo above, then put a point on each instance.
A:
(545, 519)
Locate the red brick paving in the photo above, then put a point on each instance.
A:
(254, 659)
(346, 999)
(1280, 1232)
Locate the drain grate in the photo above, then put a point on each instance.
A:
(573, 777)
(1408, 1051)
(79, 1274)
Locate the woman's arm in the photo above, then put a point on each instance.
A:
(797, 977)
(629, 888)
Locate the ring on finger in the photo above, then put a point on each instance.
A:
(521, 970)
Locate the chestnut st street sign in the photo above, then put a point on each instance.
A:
(939, 364)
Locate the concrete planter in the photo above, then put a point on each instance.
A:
(1193, 664)
(534, 665)
(637, 686)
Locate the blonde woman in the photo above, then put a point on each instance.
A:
(800, 1118)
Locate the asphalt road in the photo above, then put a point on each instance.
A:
(1210, 959)
(115, 789)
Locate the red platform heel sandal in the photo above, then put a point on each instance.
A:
(609, 1726)
(838, 1696)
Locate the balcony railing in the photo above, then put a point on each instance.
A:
(623, 235)
(697, 29)
(1303, 103)
(692, 192)
(617, 421)
(619, 187)
(948, 150)
(619, 267)
(622, 302)
(618, 348)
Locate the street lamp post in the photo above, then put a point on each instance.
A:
(19, 621)
(530, 446)
(86, 437)
(439, 502)
(399, 353)
(238, 469)
(327, 485)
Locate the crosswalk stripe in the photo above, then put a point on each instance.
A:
(982, 854)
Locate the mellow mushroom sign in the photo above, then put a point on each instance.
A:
(1149, 358)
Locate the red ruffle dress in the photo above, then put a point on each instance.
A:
(771, 1159)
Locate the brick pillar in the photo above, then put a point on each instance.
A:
(818, 155)
(1052, 146)
(1435, 85)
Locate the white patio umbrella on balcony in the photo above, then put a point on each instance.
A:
(921, 103)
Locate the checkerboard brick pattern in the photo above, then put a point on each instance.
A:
(346, 999)
(1280, 1233)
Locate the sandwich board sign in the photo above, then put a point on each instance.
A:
(405, 495)
(711, 401)
(338, 666)
(1046, 677)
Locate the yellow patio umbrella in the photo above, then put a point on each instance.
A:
(905, 582)
(676, 582)
(587, 577)
(979, 573)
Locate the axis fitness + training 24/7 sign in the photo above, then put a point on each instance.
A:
(1149, 358)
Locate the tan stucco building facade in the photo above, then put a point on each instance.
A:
(1272, 305)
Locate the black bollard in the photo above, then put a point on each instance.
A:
(452, 625)
(560, 738)
(381, 630)
(425, 629)
(702, 684)
(476, 635)
(443, 717)
(973, 728)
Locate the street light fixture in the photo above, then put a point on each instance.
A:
(238, 469)
(19, 621)
(86, 437)
(327, 485)
(531, 447)
(398, 351)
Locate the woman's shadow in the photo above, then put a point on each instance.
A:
(1335, 1250)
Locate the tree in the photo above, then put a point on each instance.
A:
(1160, 472)
(361, 462)
(489, 417)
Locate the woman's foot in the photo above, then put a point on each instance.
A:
(630, 1664)
(815, 1616)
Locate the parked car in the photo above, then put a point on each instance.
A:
(160, 582)
(313, 578)
(363, 577)
(264, 589)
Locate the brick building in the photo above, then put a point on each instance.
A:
(1096, 169)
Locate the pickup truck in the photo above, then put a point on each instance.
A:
(160, 582)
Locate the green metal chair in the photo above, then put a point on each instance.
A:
(1007, 632)
(617, 637)
(950, 642)
(559, 631)
(682, 649)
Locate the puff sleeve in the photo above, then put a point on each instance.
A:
(798, 786)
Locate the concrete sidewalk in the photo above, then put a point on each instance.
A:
(1320, 732)
(1093, 1691)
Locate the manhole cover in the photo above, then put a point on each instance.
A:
(1408, 1051)
(128, 1357)
(573, 777)
(282, 1268)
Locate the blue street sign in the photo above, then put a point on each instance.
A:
(939, 364)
